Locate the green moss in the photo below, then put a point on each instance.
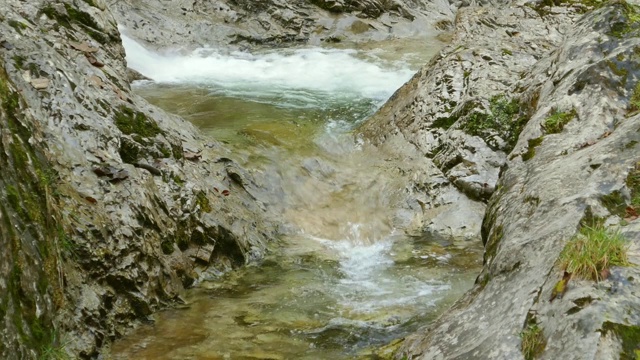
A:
(167, 247)
(90, 3)
(444, 122)
(176, 151)
(615, 203)
(203, 201)
(557, 120)
(129, 151)
(130, 121)
(630, 337)
(634, 101)
(594, 249)
(19, 61)
(534, 200)
(491, 247)
(17, 25)
(531, 150)
(504, 118)
(631, 19)
(81, 18)
(617, 70)
(165, 151)
(177, 179)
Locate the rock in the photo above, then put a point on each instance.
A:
(543, 184)
(101, 242)
(6, 45)
(245, 24)
(40, 83)
(84, 47)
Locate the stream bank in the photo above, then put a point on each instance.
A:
(346, 279)
(65, 88)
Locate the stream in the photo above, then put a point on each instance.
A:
(344, 281)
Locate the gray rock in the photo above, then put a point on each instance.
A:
(548, 183)
(121, 222)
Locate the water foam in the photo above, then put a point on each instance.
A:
(303, 75)
(370, 281)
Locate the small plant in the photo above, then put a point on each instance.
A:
(633, 182)
(592, 251)
(531, 150)
(557, 120)
(533, 341)
(54, 348)
(634, 101)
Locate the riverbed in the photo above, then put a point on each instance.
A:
(344, 280)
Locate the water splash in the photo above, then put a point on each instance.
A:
(370, 280)
(305, 77)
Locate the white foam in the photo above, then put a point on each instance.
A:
(369, 282)
(294, 73)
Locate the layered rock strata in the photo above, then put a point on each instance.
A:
(485, 113)
(111, 207)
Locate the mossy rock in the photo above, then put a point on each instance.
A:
(130, 121)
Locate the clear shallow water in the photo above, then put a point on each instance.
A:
(345, 281)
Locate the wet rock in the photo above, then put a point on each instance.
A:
(509, 65)
(112, 245)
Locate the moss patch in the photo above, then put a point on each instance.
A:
(130, 121)
(17, 26)
(615, 203)
(82, 19)
(203, 201)
(28, 212)
(531, 150)
(630, 337)
(630, 20)
(504, 119)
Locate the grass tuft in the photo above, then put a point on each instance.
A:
(633, 182)
(533, 341)
(557, 120)
(593, 250)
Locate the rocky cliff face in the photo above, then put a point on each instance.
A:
(485, 114)
(245, 23)
(110, 206)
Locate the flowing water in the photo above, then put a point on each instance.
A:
(344, 281)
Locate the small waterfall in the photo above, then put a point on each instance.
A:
(305, 77)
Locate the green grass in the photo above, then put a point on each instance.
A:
(634, 101)
(533, 341)
(593, 250)
(633, 182)
(557, 120)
